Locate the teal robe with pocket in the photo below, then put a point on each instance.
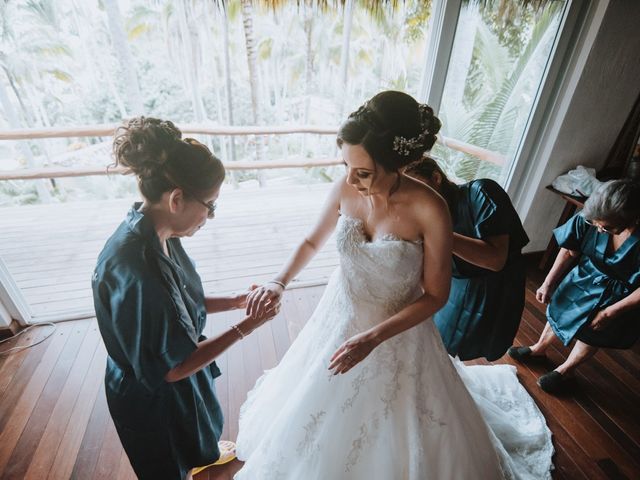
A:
(151, 314)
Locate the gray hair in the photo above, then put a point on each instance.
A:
(616, 202)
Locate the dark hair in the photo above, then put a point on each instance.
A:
(153, 150)
(425, 168)
(617, 202)
(393, 128)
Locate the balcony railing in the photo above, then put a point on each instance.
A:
(63, 246)
(483, 154)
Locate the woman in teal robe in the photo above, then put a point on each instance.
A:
(597, 303)
(151, 307)
(486, 300)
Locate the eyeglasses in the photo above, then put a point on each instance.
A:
(211, 207)
(602, 228)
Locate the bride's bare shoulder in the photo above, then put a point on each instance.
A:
(422, 197)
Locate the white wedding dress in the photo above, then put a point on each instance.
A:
(408, 411)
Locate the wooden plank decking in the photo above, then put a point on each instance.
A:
(54, 421)
(53, 417)
(51, 249)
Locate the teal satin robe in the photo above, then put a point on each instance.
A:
(151, 314)
(598, 280)
(483, 312)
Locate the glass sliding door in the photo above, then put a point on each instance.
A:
(496, 67)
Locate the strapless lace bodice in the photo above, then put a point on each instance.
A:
(385, 272)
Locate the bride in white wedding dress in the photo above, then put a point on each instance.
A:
(367, 390)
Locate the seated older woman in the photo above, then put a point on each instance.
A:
(598, 301)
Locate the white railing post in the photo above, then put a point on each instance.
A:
(11, 297)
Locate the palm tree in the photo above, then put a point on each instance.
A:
(191, 58)
(247, 22)
(222, 7)
(30, 59)
(91, 54)
(250, 42)
(12, 118)
(123, 54)
(347, 21)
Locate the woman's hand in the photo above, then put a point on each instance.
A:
(240, 299)
(544, 293)
(258, 320)
(263, 298)
(352, 352)
(602, 320)
(209, 349)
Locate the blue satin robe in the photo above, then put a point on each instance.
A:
(598, 280)
(484, 309)
(151, 314)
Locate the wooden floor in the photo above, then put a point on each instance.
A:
(54, 422)
(50, 250)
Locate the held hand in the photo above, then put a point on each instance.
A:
(267, 314)
(240, 299)
(352, 352)
(263, 298)
(602, 319)
(544, 293)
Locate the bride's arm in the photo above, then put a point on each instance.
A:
(435, 223)
(261, 297)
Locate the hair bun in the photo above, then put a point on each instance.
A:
(429, 122)
(144, 145)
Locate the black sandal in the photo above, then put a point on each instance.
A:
(520, 354)
(551, 382)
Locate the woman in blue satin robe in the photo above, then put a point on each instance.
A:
(485, 304)
(597, 303)
(151, 307)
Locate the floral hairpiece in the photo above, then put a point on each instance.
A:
(404, 146)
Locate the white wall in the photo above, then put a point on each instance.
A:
(596, 96)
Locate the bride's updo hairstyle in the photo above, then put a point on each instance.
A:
(154, 151)
(393, 128)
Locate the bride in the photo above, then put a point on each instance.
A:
(367, 390)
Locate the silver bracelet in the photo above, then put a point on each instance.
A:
(236, 328)
(278, 282)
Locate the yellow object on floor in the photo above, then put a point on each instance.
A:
(227, 453)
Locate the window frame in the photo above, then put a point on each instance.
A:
(443, 27)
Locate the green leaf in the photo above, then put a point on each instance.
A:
(60, 75)
(138, 31)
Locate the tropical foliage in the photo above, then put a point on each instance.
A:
(238, 62)
(488, 100)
